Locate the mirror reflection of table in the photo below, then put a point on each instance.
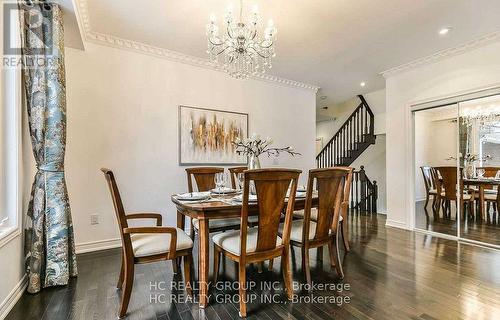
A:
(481, 183)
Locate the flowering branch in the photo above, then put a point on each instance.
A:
(256, 146)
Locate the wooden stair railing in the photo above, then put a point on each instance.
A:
(364, 193)
(349, 142)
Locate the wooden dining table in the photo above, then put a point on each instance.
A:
(219, 207)
(481, 183)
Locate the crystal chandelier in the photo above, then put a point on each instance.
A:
(240, 50)
(482, 115)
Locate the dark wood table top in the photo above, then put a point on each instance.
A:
(482, 181)
(223, 203)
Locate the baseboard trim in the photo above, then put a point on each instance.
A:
(396, 224)
(98, 245)
(14, 296)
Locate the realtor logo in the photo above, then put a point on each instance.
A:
(37, 27)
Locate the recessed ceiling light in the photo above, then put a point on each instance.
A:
(444, 31)
(362, 84)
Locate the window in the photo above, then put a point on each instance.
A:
(10, 140)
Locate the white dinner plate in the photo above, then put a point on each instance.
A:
(193, 196)
(223, 190)
(251, 198)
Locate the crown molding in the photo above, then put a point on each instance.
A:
(440, 55)
(139, 47)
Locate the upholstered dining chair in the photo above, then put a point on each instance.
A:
(344, 221)
(493, 198)
(204, 179)
(490, 192)
(449, 184)
(146, 244)
(430, 188)
(234, 175)
(331, 184)
(260, 243)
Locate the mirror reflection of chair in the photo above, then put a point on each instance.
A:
(430, 186)
(490, 192)
(449, 194)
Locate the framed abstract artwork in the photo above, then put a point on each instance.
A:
(205, 136)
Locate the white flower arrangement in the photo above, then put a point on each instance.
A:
(256, 146)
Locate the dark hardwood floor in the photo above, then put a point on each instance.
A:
(390, 274)
(475, 229)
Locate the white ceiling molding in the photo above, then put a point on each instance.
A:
(443, 54)
(112, 41)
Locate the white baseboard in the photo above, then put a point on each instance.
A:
(98, 245)
(11, 300)
(396, 224)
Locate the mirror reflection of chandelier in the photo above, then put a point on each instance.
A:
(481, 115)
(240, 50)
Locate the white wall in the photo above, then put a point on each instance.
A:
(435, 143)
(479, 68)
(376, 101)
(122, 114)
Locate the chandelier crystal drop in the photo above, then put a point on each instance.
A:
(240, 50)
(482, 115)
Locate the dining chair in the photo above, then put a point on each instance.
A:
(331, 184)
(260, 243)
(430, 187)
(234, 175)
(449, 184)
(204, 179)
(490, 193)
(493, 198)
(146, 244)
(344, 222)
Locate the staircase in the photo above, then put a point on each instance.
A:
(349, 142)
(346, 145)
(364, 192)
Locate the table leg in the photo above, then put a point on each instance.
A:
(180, 220)
(203, 262)
(481, 202)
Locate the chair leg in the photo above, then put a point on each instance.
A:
(305, 265)
(122, 274)
(287, 273)
(127, 291)
(188, 261)
(345, 236)
(191, 229)
(175, 266)
(242, 289)
(216, 264)
(426, 200)
(271, 265)
(319, 253)
(260, 266)
(335, 256)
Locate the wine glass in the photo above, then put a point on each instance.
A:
(219, 180)
(241, 180)
(225, 179)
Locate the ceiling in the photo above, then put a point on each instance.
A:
(335, 44)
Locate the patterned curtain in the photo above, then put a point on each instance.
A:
(50, 244)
